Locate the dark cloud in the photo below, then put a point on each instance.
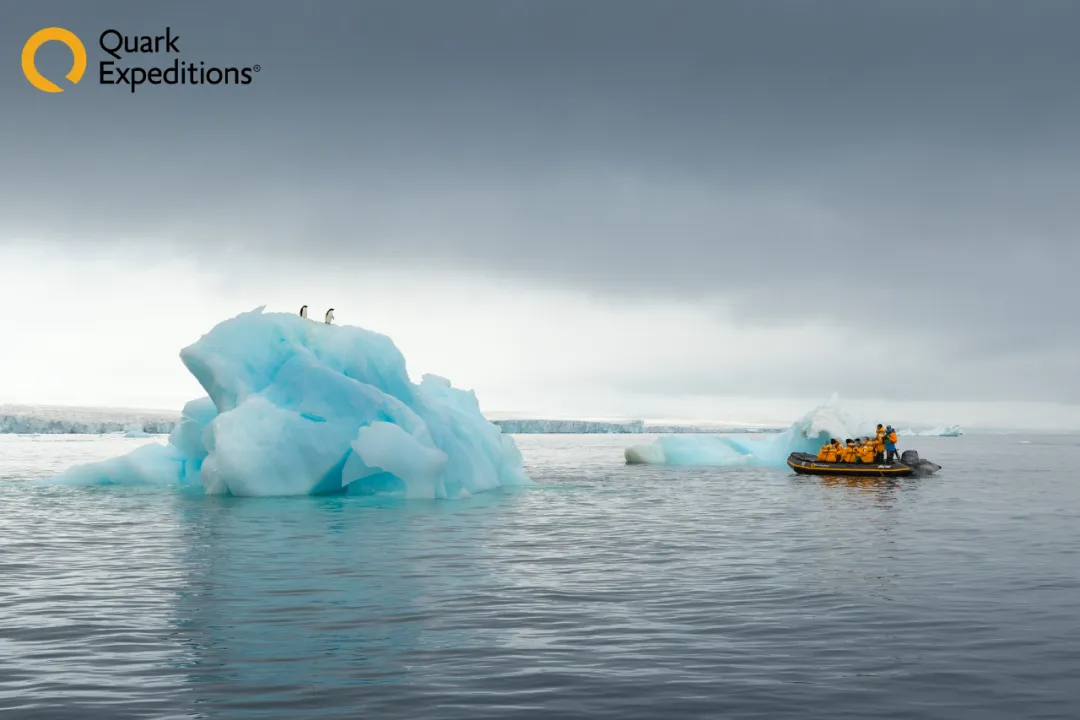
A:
(906, 169)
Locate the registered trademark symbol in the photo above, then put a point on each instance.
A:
(256, 68)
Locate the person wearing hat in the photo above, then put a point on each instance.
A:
(847, 454)
(864, 453)
(879, 444)
(890, 444)
(829, 451)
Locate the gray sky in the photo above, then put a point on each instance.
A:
(684, 200)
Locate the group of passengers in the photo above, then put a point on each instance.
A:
(865, 450)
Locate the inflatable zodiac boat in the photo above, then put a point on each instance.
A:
(910, 464)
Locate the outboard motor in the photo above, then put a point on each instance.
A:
(921, 467)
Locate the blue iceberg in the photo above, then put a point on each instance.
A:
(298, 407)
(806, 434)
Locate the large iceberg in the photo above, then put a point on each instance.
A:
(807, 434)
(298, 407)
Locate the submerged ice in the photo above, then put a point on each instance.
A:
(805, 435)
(297, 407)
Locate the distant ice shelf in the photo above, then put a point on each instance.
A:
(630, 427)
(57, 420)
(53, 420)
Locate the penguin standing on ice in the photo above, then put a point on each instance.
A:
(303, 311)
(330, 316)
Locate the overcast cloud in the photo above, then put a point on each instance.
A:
(878, 198)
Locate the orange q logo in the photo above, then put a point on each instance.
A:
(78, 65)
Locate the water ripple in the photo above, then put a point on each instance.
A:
(606, 592)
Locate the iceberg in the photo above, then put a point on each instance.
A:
(298, 407)
(135, 430)
(944, 431)
(950, 431)
(807, 434)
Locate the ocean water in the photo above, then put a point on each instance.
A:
(605, 592)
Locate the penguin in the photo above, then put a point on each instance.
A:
(330, 316)
(303, 311)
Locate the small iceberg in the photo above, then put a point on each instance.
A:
(949, 431)
(298, 407)
(135, 430)
(806, 435)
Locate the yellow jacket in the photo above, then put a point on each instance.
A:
(865, 452)
(822, 454)
(847, 454)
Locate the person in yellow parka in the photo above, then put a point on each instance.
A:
(864, 453)
(879, 444)
(829, 451)
(847, 453)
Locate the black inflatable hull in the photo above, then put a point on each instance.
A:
(806, 464)
(910, 464)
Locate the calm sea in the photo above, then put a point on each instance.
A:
(605, 592)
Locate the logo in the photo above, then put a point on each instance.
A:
(123, 65)
(78, 63)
